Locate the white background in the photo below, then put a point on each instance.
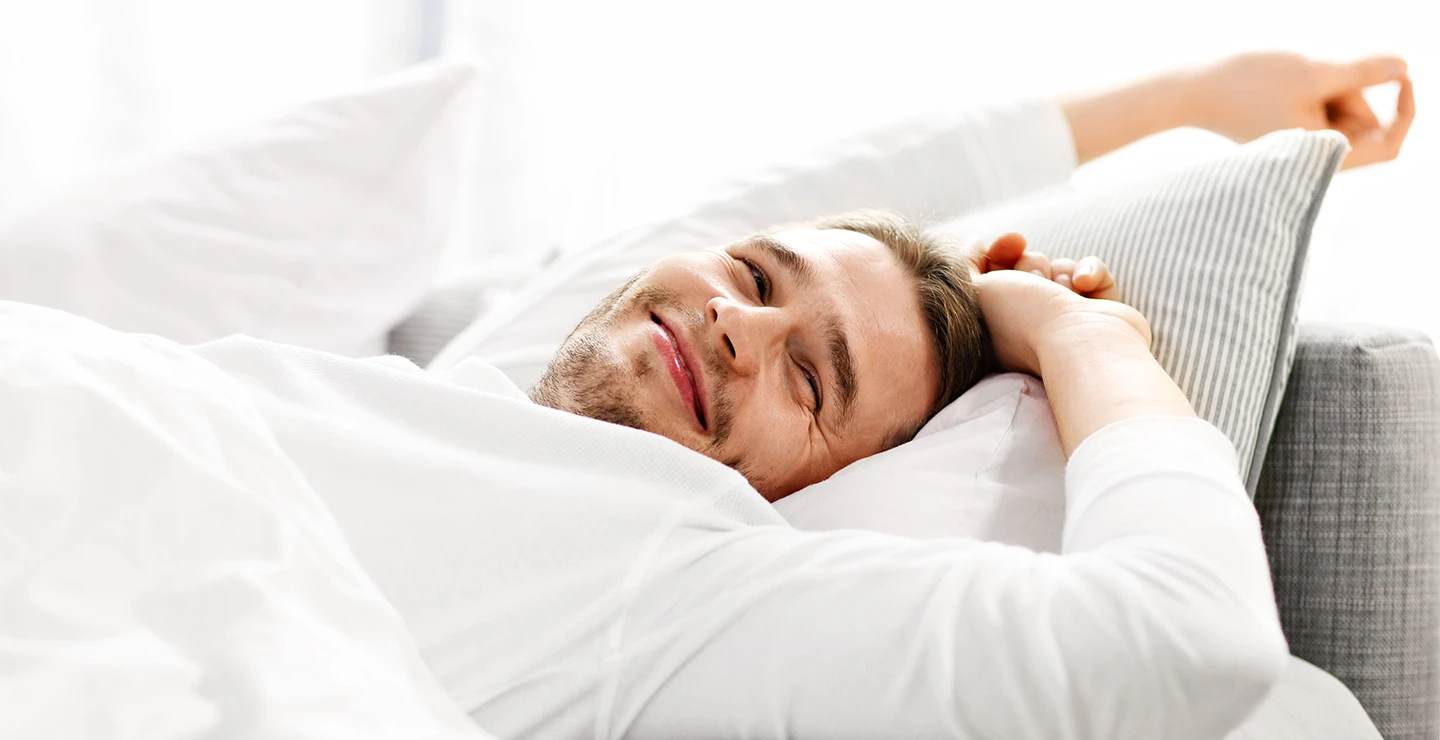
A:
(592, 114)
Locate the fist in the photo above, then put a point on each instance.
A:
(1089, 277)
(1028, 300)
(1249, 95)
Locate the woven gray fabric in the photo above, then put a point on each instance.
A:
(443, 314)
(1349, 502)
(1212, 256)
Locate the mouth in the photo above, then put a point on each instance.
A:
(679, 361)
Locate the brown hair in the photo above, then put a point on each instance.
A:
(948, 300)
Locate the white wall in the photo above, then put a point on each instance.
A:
(602, 112)
(594, 114)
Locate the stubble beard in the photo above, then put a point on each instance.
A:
(590, 377)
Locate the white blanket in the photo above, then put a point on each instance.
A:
(165, 572)
(172, 565)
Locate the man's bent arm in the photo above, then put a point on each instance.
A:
(1156, 620)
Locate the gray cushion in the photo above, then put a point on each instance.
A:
(1349, 504)
(1307, 704)
(445, 312)
(1212, 255)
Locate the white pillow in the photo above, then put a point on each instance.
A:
(988, 466)
(322, 227)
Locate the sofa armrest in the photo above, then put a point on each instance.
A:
(1349, 502)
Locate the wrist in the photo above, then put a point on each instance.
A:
(1091, 333)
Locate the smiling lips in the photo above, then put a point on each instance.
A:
(676, 362)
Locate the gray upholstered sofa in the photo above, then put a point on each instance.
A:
(1350, 504)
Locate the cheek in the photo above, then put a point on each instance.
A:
(771, 436)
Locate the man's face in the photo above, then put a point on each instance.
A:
(786, 356)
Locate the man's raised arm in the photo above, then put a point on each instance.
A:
(929, 166)
(1244, 97)
(949, 161)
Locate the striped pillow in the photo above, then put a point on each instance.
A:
(1213, 256)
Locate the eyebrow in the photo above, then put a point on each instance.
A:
(843, 361)
(797, 265)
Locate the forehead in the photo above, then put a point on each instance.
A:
(858, 281)
(859, 266)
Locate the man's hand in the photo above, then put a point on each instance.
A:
(1093, 354)
(1031, 303)
(1249, 95)
(1090, 277)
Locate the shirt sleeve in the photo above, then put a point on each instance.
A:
(929, 167)
(1156, 620)
(934, 166)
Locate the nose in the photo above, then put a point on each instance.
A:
(747, 335)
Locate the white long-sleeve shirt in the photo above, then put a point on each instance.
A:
(566, 578)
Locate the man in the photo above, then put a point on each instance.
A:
(568, 577)
(606, 582)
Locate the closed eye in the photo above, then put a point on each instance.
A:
(814, 388)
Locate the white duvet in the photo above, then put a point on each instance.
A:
(165, 572)
(172, 565)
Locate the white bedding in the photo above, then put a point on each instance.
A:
(172, 565)
(165, 572)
